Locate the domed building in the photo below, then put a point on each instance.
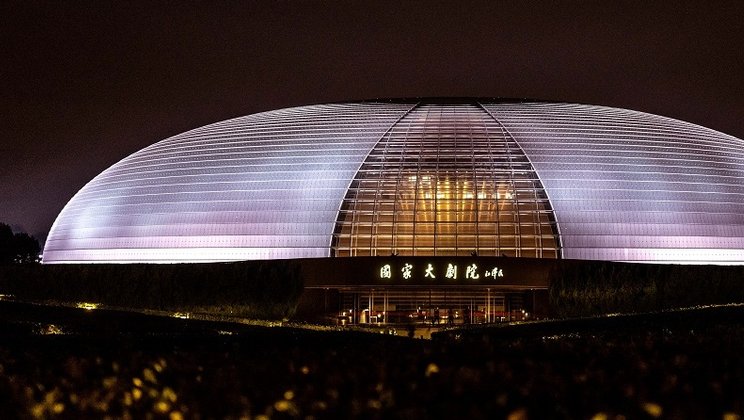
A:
(434, 178)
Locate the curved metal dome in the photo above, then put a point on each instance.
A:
(429, 177)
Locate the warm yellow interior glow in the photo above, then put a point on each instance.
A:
(420, 193)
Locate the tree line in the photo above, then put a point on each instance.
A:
(18, 247)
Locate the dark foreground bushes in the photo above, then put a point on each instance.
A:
(586, 288)
(253, 289)
(661, 368)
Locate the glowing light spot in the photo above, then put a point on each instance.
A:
(137, 382)
(431, 369)
(50, 397)
(518, 414)
(88, 306)
(169, 394)
(282, 405)
(162, 407)
(653, 409)
(149, 376)
(58, 408)
(51, 329)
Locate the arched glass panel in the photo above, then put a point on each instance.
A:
(446, 180)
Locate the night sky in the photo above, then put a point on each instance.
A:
(84, 84)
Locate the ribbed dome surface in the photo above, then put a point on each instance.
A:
(418, 178)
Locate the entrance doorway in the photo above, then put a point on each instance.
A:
(431, 306)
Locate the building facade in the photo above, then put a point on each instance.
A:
(418, 178)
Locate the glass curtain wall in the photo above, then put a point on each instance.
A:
(446, 180)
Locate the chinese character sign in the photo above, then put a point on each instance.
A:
(407, 271)
(449, 270)
(471, 272)
(430, 272)
(495, 272)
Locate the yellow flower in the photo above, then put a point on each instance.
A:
(431, 369)
(149, 376)
(162, 407)
(169, 394)
(58, 408)
(653, 409)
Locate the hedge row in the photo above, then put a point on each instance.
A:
(252, 289)
(271, 289)
(587, 288)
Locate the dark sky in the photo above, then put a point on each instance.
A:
(83, 84)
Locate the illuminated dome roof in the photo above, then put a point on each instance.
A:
(429, 177)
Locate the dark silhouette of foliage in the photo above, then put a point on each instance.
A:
(18, 248)
(588, 288)
(253, 289)
(6, 244)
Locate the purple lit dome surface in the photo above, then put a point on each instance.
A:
(418, 177)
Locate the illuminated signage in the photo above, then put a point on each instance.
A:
(449, 270)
